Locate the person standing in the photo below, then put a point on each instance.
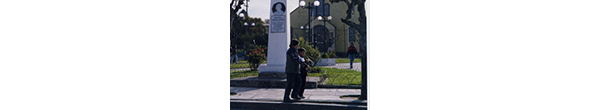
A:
(303, 71)
(233, 54)
(351, 53)
(292, 71)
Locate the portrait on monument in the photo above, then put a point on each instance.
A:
(278, 9)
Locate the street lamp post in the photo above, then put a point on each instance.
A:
(324, 20)
(320, 18)
(243, 16)
(309, 6)
(249, 27)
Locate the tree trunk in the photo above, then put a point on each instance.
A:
(363, 89)
(363, 64)
(363, 46)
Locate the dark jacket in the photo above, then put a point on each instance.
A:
(352, 50)
(303, 71)
(293, 62)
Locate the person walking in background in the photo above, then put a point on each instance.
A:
(303, 71)
(351, 53)
(292, 71)
(233, 54)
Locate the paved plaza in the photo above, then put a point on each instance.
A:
(273, 97)
(355, 66)
(312, 95)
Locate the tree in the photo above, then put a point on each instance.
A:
(362, 30)
(234, 19)
(253, 32)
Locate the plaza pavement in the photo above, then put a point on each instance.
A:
(319, 95)
(355, 66)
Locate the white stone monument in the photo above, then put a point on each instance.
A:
(279, 40)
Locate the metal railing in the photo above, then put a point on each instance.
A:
(339, 79)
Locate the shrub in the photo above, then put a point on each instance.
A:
(315, 70)
(256, 57)
(311, 53)
(329, 54)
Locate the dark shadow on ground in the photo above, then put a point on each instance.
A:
(242, 89)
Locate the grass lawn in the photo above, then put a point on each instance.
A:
(245, 64)
(336, 76)
(240, 64)
(340, 76)
(239, 74)
(346, 60)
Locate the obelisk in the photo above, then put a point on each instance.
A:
(279, 40)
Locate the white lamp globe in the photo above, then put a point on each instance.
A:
(302, 3)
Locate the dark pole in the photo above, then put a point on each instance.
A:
(326, 36)
(325, 39)
(311, 34)
(363, 44)
(309, 26)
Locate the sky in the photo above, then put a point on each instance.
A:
(260, 8)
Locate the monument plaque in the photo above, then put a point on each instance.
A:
(278, 18)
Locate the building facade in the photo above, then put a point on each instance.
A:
(329, 35)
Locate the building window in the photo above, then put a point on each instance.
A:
(326, 9)
(351, 35)
(314, 12)
(320, 8)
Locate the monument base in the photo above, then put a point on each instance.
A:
(269, 75)
(326, 62)
(270, 72)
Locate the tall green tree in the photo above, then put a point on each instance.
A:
(234, 18)
(362, 30)
(254, 33)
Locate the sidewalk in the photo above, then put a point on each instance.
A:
(355, 66)
(320, 95)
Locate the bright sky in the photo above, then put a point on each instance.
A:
(260, 8)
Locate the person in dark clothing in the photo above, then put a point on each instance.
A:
(352, 53)
(233, 55)
(292, 70)
(303, 71)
